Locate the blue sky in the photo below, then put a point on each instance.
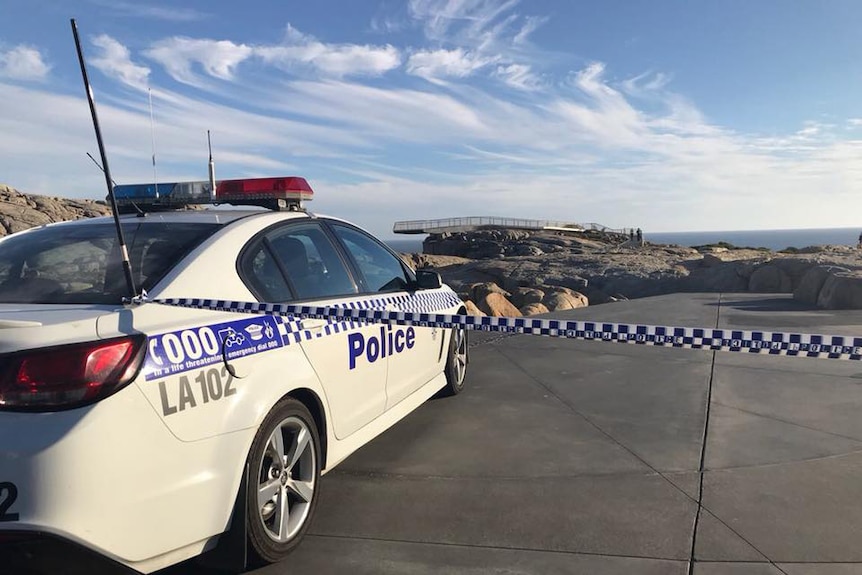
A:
(668, 115)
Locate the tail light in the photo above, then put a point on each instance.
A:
(68, 376)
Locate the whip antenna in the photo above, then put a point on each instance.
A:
(124, 252)
(211, 168)
(153, 138)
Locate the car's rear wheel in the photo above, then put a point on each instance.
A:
(456, 362)
(285, 469)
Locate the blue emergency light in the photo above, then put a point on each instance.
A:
(283, 193)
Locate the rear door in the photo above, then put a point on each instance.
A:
(297, 262)
(413, 352)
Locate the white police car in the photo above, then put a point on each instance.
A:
(146, 433)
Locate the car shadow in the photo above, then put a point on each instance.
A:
(769, 304)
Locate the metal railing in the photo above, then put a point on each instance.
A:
(478, 222)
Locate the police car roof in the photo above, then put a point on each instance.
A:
(208, 216)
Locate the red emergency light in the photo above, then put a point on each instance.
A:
(284, 193)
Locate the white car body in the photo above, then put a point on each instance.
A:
(149, 475)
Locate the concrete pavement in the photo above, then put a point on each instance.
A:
(585, 457)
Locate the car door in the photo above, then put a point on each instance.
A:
(298, 262)
(413, 352)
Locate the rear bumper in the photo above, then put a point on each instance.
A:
(111, 478)
(37, 553)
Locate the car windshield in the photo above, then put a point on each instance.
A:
(81, 263)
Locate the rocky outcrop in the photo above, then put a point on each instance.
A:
(495, 304)
(19, 211)
(559, 299)
(841, 290)
(472, 309)
(534, 309)
(605, 270)
(808, 290)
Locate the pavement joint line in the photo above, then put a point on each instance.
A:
(788, 422)
(726, 365)
(779, 463)
(702, 462)
(572, 408)
(411, 476)
(494, 547)
(702, 469)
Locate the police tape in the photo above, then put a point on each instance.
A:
(707, 339)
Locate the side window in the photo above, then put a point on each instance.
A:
(382, 271)
(311, 262)
(262, 272)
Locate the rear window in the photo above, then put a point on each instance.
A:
(81, 264)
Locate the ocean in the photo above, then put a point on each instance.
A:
(772, 239)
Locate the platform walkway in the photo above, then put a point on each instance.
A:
(490, 222)
(589, 457)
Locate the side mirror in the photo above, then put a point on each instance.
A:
(427, 279)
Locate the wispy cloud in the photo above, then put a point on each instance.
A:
(531, 24)
(23, 63)
(462, 20)
(152, 11)
(483, 31)
(377, 143)
(518, 76)
(337, 60)
(114, 60)
(435, 65)
(217, 58)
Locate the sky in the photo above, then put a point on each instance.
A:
(669, 115)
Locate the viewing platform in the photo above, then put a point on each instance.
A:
(490, 222)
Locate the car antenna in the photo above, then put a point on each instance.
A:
(140, 212)
(153, 138)
(211, 168)
(124, 252)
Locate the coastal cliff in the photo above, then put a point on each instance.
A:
(547, 268)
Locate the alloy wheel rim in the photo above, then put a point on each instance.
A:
(286, 480)
(460, 356)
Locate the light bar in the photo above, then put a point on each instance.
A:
(273, 193)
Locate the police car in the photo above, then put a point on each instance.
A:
(145, 433)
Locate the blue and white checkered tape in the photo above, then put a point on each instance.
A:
(419, 310)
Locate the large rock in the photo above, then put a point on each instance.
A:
(559, 300)
(808, 290)
(472, 309)
(480, 290)
(496, 304)
(19, 211)
(770, 278)
(534, 308)
(841, 290)
(524, 296)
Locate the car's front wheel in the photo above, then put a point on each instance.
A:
(285, 463)
(456, 362)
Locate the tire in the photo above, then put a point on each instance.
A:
(284, 463)
(456, 363)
